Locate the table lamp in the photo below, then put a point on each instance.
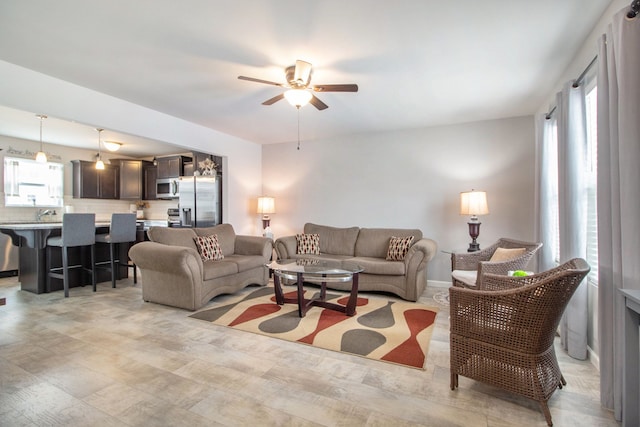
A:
(266, 206)
(474, 203)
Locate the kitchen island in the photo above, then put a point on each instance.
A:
(31, 239)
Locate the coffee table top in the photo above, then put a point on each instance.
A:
(312, 267)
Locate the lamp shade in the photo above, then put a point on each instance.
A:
(473, 203)
(266, 205)
(298, 97)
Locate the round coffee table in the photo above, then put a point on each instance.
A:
(315, 271)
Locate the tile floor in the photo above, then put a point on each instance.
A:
(110, 359)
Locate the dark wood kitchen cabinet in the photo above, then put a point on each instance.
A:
(91, 183)
(150, 174)
(131, 178)
(172, 166)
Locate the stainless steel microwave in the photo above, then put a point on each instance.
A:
(167, 188)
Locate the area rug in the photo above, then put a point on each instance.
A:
(390, 331)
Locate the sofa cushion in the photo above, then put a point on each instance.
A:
(226, 236)
(333, 240)
(373, 265)
(398, 248)
(246, 262)
(173, 236)
(307, 244)
(468, 277)
(208, 247)
(220, 268)
(374, 242)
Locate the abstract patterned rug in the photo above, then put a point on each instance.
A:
(391, 331)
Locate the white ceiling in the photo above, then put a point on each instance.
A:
(418, 63)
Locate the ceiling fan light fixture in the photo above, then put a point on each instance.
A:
(298, 97)
(112, 146)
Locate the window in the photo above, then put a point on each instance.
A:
(591, 179)
(29, 183)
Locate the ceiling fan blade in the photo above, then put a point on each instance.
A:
(273, 100)
(267, 82)
(336, 88)
(317, 103)
(302, 74)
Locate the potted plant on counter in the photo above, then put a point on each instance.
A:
(140, 205)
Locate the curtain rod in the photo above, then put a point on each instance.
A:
(634, 10)
(579, 80)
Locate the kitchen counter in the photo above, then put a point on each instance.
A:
(31, 239)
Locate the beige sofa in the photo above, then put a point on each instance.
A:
(173, 272)
(368, 247)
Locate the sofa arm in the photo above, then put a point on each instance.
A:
(166, 258)
(286, 247)
(420, 254)
(171, 275)
(254, 245)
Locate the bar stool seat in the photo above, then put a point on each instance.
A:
(122, 230)
(78, 229)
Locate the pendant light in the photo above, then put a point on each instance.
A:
(99, 162)
(41, 157)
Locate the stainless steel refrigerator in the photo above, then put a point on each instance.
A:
(199, 201)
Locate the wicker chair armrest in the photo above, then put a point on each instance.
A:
(468, 261)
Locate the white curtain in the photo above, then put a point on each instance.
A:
(618, 195)
(572, 208)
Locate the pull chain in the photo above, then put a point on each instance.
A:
(298, 127)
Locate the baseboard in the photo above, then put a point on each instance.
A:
(438, 284)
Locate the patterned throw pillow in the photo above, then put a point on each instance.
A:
(308, 244)
(398, 248)
(208, 247)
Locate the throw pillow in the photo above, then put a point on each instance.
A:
(308, 244)
(504, 254)
(398, 248)
(208, 247)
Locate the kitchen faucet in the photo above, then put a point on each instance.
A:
(43, 212)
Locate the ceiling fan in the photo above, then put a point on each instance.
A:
(298, 78)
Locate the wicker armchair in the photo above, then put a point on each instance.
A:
(468, 268)
(505, 337)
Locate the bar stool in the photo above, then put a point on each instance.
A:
(78, 229)
(122, 230)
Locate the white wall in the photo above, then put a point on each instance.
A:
(409, 178)
(28, 90)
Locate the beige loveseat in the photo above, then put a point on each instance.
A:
(173, 272)
(368, 247)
